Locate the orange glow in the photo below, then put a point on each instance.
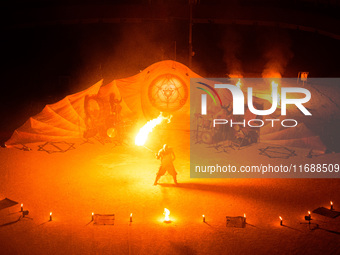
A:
(309, 213)
(235, 75)
(22, 205)
(143, 133)
(92, 213)
(304, 76)
(271, 74)
(50, 213)
(130, 214)
(244, 215)
(280, 217)
(166, 215)
(331, 203)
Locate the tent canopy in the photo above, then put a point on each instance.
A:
(141, 97)
(162, 87)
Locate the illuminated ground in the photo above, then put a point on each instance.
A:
(106, 179)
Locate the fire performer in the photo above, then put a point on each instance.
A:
(167, 157)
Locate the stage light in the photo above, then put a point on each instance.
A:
(304, 76)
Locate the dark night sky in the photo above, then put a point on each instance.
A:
(43, 63)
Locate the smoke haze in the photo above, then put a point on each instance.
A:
(277, 54)
(231, 45)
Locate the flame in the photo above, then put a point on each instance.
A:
(166, 215)
(280, 217)
(92, 213)
(130, 215)
(143, 133)
(244, 215)
(331, 203)
(235, 75)
(271, 74)
(238, 84)
(50, 213)
(22, 205)
(309, 212)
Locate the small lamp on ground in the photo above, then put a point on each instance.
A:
(166, 215)
(308, 217)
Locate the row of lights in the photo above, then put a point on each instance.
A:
(167, 215)
(309, 216)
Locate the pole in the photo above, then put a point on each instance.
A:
(190, 32)
(175, 51)
(148, 149)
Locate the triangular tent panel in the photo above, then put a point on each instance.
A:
(59, 121)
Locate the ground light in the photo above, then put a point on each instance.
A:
(166, 215)
(308, 217)
(167, 219)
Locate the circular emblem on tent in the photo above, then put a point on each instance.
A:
(168, 93)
